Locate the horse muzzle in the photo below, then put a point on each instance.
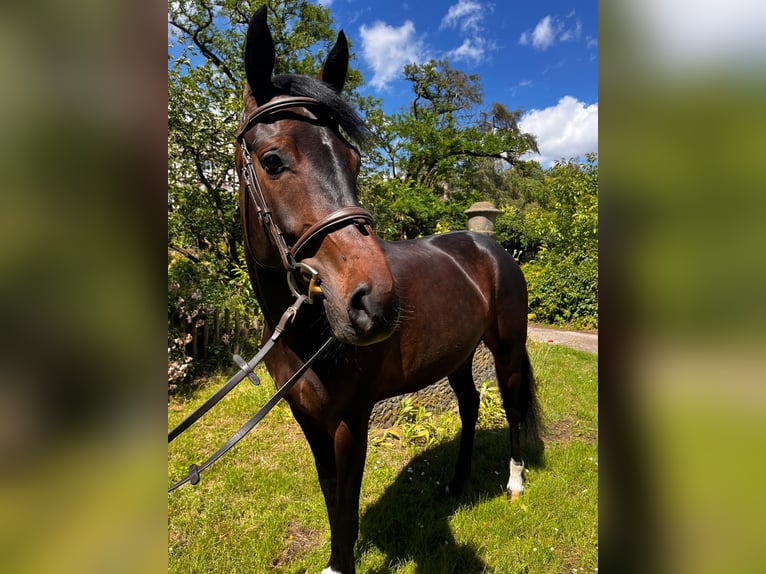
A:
(359, 296)
(369, 314)
(372, 314)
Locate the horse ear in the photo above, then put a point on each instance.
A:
(259, 57)
(335, 67)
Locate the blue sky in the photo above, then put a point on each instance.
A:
(540, 57)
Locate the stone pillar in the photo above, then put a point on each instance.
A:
(481, 217)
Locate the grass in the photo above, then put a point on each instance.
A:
(259, 509)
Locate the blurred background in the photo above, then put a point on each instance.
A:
(682, 395)
(83, 111)
(82, 231)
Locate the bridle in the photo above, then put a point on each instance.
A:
(290, 262)
(290, 255)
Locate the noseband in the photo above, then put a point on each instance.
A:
(335, 220)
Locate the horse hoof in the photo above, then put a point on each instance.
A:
(513, 495)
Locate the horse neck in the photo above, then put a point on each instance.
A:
(271, 291)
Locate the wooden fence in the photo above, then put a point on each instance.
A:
(220, 333)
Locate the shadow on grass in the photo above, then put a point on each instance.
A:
(410, 521)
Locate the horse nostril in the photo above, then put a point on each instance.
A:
(359, 306)
(371, 313)
(359, 298)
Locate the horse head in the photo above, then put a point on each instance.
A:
(298, 197)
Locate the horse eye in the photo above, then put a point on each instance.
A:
(272, 163)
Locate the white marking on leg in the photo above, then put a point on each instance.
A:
(329, 570)
(516, 480)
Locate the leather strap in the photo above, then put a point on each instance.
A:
(194, 470)
(287, 316)
(335, 219)
(274, 107)
(338, 218)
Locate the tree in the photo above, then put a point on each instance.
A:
(571, 223)
(440, 88)
(442, 153)
(563, 276)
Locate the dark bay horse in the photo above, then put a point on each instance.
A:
(404, 314)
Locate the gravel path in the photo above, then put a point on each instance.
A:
(575, 339)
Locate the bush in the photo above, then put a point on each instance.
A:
(195, 290)
(563, 290)
(514, 233)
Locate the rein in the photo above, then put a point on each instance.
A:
(246, 371)
(339, 218)
(290, 256)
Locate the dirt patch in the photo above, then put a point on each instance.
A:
(569, 429)
(299, 542)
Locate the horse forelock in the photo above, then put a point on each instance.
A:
(338, 108)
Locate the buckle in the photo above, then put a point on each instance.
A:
(313, 279)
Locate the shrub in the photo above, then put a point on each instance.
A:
(514, 233)
(195, 290)
(563, 290)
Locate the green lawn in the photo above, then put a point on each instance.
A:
(259, 509)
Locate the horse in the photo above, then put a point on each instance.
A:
(404, 314)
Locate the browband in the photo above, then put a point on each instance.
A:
(274, 107)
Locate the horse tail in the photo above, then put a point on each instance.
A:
(532, 414)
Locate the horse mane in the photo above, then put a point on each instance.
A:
(341, 110)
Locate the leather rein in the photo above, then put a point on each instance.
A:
(335, 220)
(290, 262)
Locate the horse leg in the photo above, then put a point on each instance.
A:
(323, 449)
(508, 367)
(462, 384)
(350, 453)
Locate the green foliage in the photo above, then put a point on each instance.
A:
(563, 289)
(441, 154)
(414, 427)
(491, 413)
(195, 290)
(571, 222)
(445, 128)
(563, 276)
(435, 159)
(513, 233)
(405, 210)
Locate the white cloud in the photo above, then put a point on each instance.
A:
(543, 35)
(468, 51)
(467, 13)
(571, 33)
(386, 50)
(551, 30)
(467, 16)
(567, 130)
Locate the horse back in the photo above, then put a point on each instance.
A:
(450, 265)
(452, 290)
